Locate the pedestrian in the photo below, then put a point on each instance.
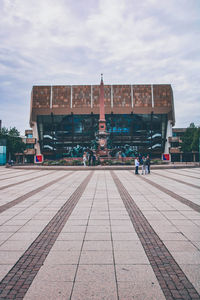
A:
(94, 159)
(146, 166)
(84, 159)
(143, 162)
(136, 165)
(90, 158)
(148, 163)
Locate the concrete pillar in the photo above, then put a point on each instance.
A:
(168, 134)
(35, 135)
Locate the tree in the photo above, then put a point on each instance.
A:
(14, 142)
(190, 139)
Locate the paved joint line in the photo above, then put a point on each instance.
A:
(181, 199)
(26, 180)
(172, 280)
(17, 176)
(112, 242)
(18, 280)
(72, 290)
(178, 180)
(182, 174)
(29, 194)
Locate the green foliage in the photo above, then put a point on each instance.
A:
(190, 139)
(62, 162)
(14, 143)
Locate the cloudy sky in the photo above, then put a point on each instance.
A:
(73, 41)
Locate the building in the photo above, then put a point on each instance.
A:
(28, 155)
(175, 147)
(65, 119)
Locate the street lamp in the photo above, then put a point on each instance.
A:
(151, 130)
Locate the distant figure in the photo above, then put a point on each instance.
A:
(140, 158)
(143, 163)
(90, 158)
(84, 159)
(148, 163)
(94, 159)
(136, 165)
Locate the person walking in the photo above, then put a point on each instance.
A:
(136, 165)
(148, 163)
(143, 163)
(94, 159)
(84, 159)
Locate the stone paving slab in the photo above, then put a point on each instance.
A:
(98, 253)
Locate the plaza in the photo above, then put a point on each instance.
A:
(99, 234)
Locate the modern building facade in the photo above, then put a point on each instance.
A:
(65, 119)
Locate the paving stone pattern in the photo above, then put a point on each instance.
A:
(23, 181)
(112, 239)
(180, 181)
(16, 283)
(183, 200)
(29, 194)
(174, 283)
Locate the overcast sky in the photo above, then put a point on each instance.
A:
(44, 42)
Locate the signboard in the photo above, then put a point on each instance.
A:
(166, 157)
(2, 155)
(38, 159)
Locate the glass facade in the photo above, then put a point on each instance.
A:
(69, 136)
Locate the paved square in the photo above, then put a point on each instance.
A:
(99, 234)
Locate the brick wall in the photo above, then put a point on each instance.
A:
(81, 96)
(61, 96)
(41, 96)
(142, 96)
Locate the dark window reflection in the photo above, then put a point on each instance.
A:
(63, 136)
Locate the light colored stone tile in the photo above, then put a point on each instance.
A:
(93, 222)
(98, 236)
(190, 258)
(130, 257)
(172, 236)
(62, 258)
(180, 246)
(57, 273)
(67, 228)
(6, 229)
(127, 246)
(93, 291)
(125, 236)
(122, 228)
(67, 246)
(15, 245)
(97, 245)
(193, 274)
(9, 257)
(4, 235)
(96, 257)
(98, 228)
(24, 236)
(137, 290)
(4, 269)
(49, 290)
(70, 236)
(95, 273)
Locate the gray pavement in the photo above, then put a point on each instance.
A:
(99, 234)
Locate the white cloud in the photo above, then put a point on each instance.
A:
(66, 42)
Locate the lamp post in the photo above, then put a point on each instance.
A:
(151, 130)
(52, 132)
(199, 150)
